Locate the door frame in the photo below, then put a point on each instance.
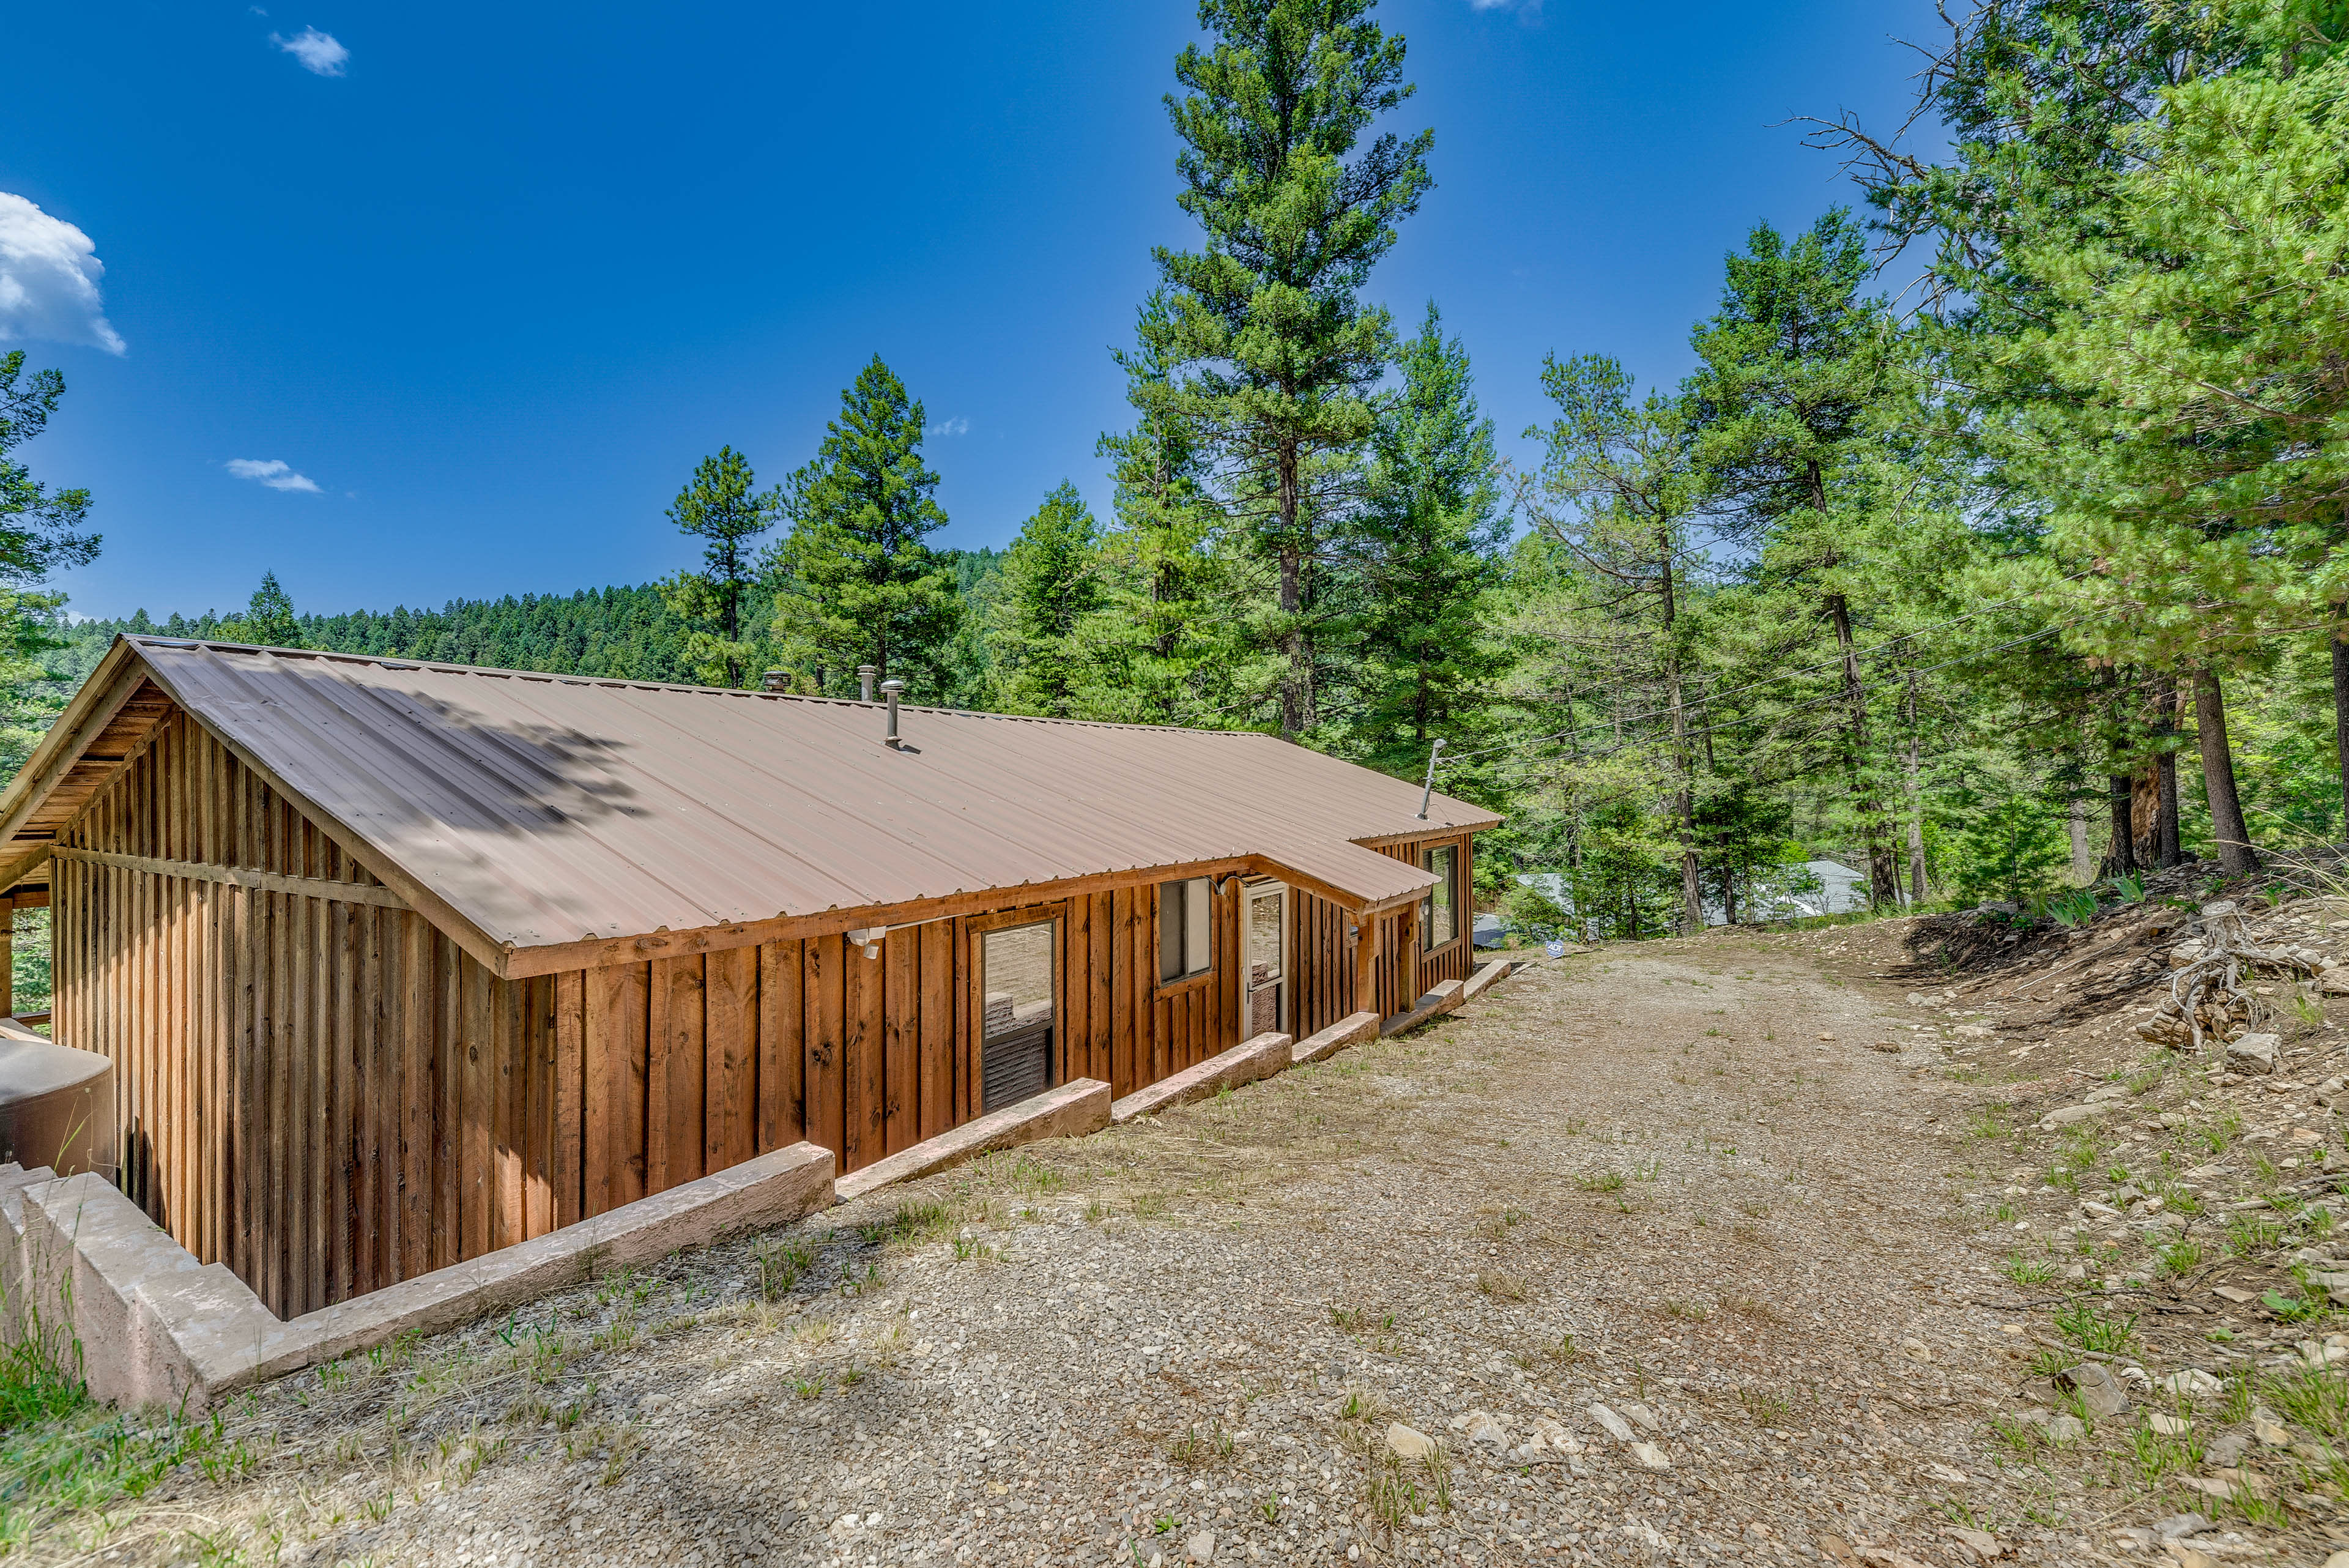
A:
(970, 1037)
(1268, 887)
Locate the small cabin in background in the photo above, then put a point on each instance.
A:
(399, 963)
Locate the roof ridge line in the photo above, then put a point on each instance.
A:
(491, 671)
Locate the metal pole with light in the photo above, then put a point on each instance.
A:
(1428, 792)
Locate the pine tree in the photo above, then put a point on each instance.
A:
(1427, 542)
(1618, 491)
(268, 620)
(40, 532)
(1797, 373)
(1173, 647)
(720, 508)
(1051, 585)
(1271, 355)
(856, 582)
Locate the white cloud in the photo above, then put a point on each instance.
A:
(953, 427)
(322, 54)
(272, 473)
(48, 279)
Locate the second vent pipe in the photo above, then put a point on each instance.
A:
(865, 674)
(890, 690)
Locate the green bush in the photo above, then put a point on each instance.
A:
(2010, 852)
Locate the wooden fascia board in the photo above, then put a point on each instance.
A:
(103, 697)
(557, 957)
(1429, 835)
(599, 952)
(492, 955)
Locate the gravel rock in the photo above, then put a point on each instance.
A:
(1613, 1424)
(2100, 1393)
(1409, 1442)
(2254, 1054)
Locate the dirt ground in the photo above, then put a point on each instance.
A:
(1736, 1192)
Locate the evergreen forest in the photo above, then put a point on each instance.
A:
(1995, 545)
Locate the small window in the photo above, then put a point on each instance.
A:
(1185, 917)
(1439, 913)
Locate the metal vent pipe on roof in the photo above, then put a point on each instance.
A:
(1427, 791)
(865, 674)
(891, 688)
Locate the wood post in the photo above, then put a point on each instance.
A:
(1366, 963)
(8, 958)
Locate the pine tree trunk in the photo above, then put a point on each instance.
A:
(2341, 709)
(2236, 857)
(1883, 884)
(1684, 806)
(1915, 807)
(2168, 703)
(1297, 686)
(2124, 850)
(2084, 870)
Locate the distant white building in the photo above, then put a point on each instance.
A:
(1816, 887)
(1839, 890)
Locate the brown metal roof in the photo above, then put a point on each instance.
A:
(548, 809)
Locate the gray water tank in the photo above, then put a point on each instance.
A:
(56, 1107)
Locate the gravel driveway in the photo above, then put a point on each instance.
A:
(1687, 1183)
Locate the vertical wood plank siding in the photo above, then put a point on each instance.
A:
(327, 1095)
(1324, 955)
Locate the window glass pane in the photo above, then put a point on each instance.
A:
(1443, 911)
(1171, 900)
(1016, 973)
(1198, 912)
(1264, 938)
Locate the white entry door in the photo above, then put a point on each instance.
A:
(1264, 933)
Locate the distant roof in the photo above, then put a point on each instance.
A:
(553, 809)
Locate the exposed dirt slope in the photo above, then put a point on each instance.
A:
(1734, 1182)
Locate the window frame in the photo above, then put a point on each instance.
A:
(1450, 881)
(1205, 971)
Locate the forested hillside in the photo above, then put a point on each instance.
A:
(1994, 541)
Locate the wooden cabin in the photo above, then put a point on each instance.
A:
(398, 964)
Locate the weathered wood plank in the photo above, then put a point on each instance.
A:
(935, 1113)
(783, 1058)
(827, 1113)
(569, 1134)
(507, 1087)
(861, 1059)
(730, 1058)
(538, 1081)
(1122, 1029)
(678, 1127)
(235, 876)
(901, 1040)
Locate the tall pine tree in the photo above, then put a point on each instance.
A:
(857, 582)
(720, 508)
(1272, 354)
(1796, 372)
(1428, 544)
(1051, 585)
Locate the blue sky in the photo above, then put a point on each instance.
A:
(487, 282)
